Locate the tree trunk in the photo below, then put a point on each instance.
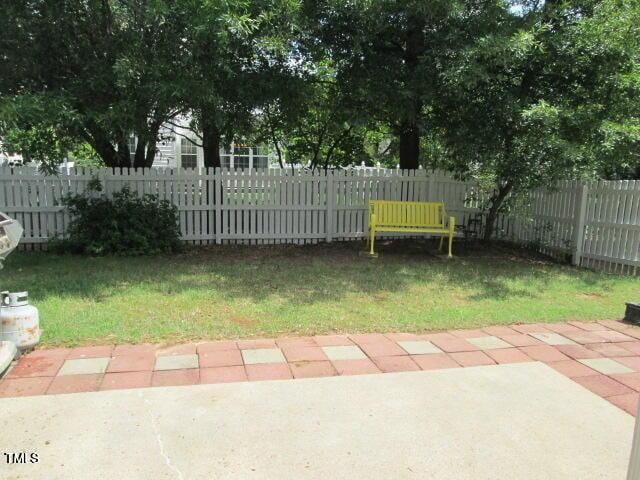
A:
(496, 202)
(151, 154)
(123, 153)
(139, 160)
(210, 140)
(101, 144)
(409, 146)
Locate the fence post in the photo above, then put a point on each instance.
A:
(581, 215)
(330, 201)
(217, 187)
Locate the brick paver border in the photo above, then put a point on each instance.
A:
(602, 357)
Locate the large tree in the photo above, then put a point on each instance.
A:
(112, 63)
(390, 53)
(532, 101)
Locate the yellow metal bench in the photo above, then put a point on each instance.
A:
(410, 217)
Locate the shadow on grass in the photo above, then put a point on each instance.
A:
(301, 275)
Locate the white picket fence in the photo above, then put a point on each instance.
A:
(598, 225)
(222, 205)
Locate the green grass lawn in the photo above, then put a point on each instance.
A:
(228, 292)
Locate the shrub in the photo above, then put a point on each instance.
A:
(122, 225)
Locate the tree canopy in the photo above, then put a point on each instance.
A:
(521, 93)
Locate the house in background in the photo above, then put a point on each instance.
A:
(179, 148)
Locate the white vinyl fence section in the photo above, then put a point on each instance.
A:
(248, 206)
(596, 225)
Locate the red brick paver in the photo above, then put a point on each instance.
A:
(544, 353)
(572, 369)
(222, 358)
(632, 362)
(90, 352)
(184, 349)
(396, 364)
(132, 363)
(610, 350)
(120, 380)
(268, 371)
(355, 367)
(508, 355)
(223, 374)
(332, 340)
(129, 350)
(132, 366)
(36, 367)
(578, 351)
(75, 384)
(628, 402)
(631, 380)
(603, 385)
(435, 362)
(206, 347)
(312, 369)
(472, 359)
(168, 378)
(297, 353)
(385, 348)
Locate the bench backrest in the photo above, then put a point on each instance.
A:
(406, 214)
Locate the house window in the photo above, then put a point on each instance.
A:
(241, 157)
(132, 148)
(260, 157)
(188, 154)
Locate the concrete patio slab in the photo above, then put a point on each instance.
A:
(497, 422)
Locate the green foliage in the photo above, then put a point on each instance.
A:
(84, 155)
(122, 225)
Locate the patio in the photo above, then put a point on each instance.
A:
(601, 357)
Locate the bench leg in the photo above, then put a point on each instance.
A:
(441, 242)
(372, 239)
(452, 226)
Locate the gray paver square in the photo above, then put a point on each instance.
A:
(418, 347)
(262, 355)
(488, 343)
(553, 338)
(176, 362)
(344, 353)
(84, 366)
(605, 365)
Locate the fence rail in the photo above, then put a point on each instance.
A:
(597, 224)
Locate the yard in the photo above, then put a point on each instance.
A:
(244, 291)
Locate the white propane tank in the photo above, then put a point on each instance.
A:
(19, 321)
